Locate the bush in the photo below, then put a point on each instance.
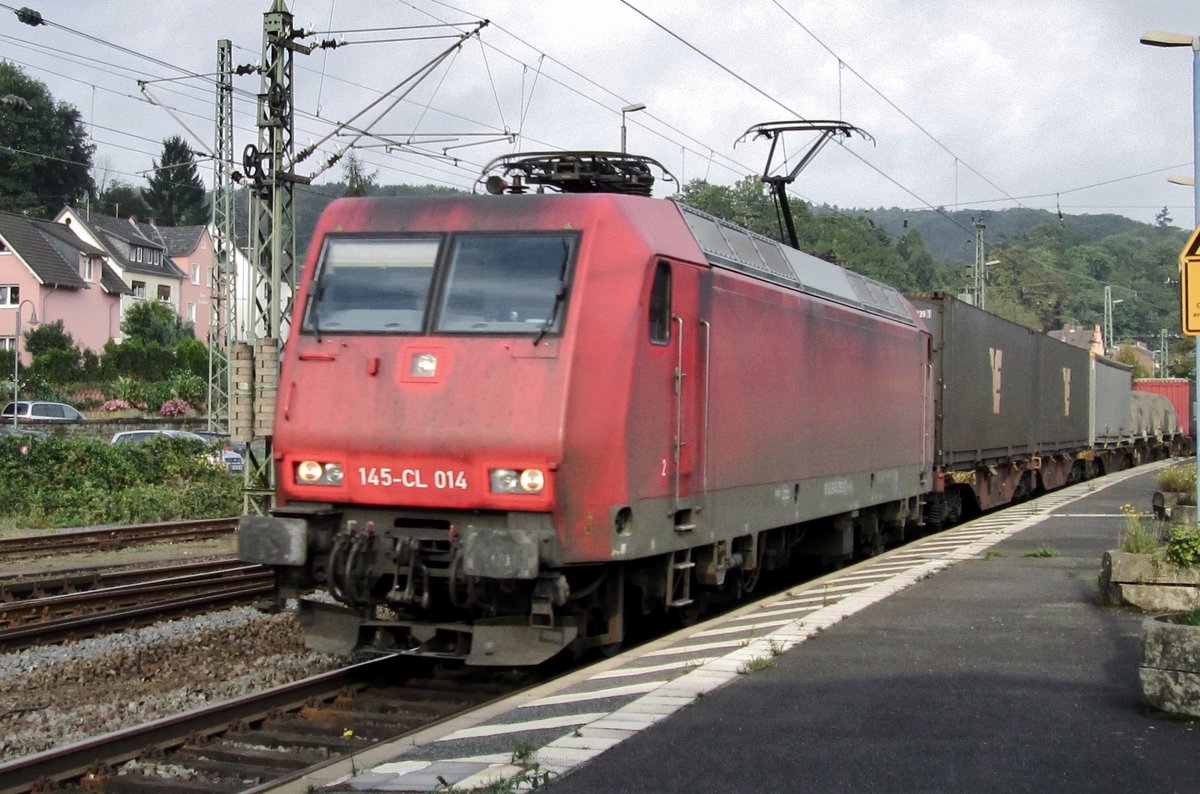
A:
(57, 367)
(189, 387)
(61, 482)
(1183, 546)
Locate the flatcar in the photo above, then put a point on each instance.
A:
(511, 425)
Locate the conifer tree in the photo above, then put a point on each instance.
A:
(176, 195)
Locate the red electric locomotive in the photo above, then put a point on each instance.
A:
(509, 424)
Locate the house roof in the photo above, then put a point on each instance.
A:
(180, 240)
(49, 256)
(118, 234)
(60, 236)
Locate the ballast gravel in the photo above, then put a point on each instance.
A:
(57, 695)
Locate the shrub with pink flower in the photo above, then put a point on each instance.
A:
(116, 405)
(175, 407)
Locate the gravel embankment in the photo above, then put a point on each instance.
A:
(56, 695)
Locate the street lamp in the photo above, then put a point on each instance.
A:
(33, 320)
(1159, 38)
(634, 108)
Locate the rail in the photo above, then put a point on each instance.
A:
(322, 719)
(117, 537)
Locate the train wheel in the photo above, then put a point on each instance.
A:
(690, 614)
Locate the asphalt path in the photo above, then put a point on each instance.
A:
(1003, 673)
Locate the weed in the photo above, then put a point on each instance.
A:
(348, 733)
(1189, 618)
(756, 664)
(1181, 477)
(524, 752)
(775, 647)
(530, 778)
(1042, 551)
(1137, 537)
(993, 554)
(1183, 546)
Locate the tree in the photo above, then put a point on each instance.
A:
(176, 195)
(151, 321)
(358, 181)
(1163, 219)
(46, 337)
(120, 200)
(45, 156)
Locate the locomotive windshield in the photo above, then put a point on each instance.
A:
(489, 284)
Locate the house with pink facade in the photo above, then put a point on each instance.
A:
(168, 264)
(191, 249)
(47, 272)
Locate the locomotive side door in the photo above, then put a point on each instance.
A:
(691, 340)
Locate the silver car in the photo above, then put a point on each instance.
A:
(230, 459)
(42, 411)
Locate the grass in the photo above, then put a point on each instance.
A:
(1138, 536)
(993, 554)
(1180, 477)
(1042, 551)
(755, 665)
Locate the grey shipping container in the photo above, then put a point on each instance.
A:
(1112, 384)
(1002, 391)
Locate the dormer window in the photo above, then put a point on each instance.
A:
(87, 267)
(138, 252)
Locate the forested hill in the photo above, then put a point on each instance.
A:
(949, 235)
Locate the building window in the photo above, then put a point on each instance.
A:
(164, 292)
(139, 288)
(137, 254)
(3, 247)
(87, 267)
(7, 343)
(192, 313)
(10, 295)
(195, 273)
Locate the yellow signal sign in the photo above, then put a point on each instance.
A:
(1189, 284)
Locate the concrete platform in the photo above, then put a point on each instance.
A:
(958, 663)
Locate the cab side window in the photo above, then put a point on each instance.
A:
(660, 305)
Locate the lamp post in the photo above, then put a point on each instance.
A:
(629, 109)
(33, 320)
(1159, 38)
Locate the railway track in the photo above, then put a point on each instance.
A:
(91, 603)
(110, 538)
(270, 736)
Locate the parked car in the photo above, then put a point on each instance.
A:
(215, 436)
(226, 456)
(40, 411)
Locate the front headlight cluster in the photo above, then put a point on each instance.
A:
(312, 472)
(519, 481)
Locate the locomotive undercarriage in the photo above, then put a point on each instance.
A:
(486, 587)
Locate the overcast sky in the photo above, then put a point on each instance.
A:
(980, 105)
